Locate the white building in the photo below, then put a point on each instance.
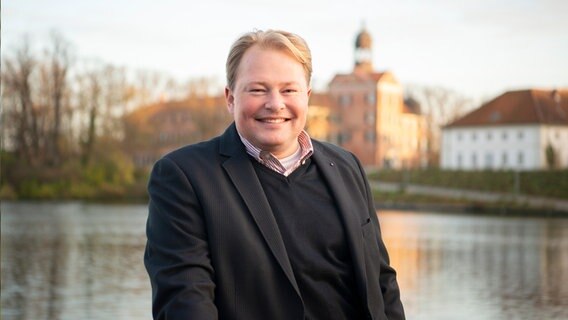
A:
(514, 131)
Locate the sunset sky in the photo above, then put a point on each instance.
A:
(478, 48)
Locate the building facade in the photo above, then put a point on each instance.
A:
(369, 116)
(519, 130)
(154, 130)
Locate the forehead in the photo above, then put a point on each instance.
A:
(269, 61)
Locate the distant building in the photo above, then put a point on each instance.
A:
(518, 130)
(154, 130)
(318, 122)
(369, 116)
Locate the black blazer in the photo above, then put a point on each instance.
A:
(214, 250)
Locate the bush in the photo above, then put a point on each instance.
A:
(7, 192)
(538, 183)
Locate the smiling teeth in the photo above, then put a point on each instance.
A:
(273, 120)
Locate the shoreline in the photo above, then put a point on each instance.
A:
(477, 209)
(441, 207)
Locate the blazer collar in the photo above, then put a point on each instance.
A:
(243, 176)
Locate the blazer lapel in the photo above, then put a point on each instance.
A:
(243, 176)
(351, 220)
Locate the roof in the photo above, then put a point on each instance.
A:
(320, 99)
(149, 111)
(531, 106)
(411, 106)
(363, 39)
(358, 77)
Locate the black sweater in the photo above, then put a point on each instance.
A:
(314, 237)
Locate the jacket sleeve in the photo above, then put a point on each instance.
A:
(387, 277)
(177, 252)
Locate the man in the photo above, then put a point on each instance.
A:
(262, 222)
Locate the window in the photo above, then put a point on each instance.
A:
(473, 136)
(335, 118)
(520, 135)
(344, 137)
(370, 117)
(489, 136)
(459, 136)
(344, 100)
(520, 158)
(474, 160)
(504, 160)
(488, 160)
(504, 135)
(370, 98)
(459, 160)
(495, 116)
(370, 136)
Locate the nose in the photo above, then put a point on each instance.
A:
(275, 101)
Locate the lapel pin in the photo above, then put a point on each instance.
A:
(331, 164)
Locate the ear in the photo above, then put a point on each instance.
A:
(309, 91)
(230, 99)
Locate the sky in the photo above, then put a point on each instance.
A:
(477, 48)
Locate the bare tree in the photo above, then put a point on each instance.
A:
(151, 86)
(21, 115)
(440, 106)
(202, 87)
(89, 100)
(117, 97)
(56, 74)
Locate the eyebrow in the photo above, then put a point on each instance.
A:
(265, 83)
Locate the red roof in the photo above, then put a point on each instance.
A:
(530, 106)
(358, 76)
(320, 99)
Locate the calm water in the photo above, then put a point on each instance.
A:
(84, 261)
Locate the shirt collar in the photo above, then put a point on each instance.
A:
(269, 160)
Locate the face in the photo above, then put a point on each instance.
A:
(269, 102)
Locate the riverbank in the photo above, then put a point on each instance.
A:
(410, 197)
(394, 196)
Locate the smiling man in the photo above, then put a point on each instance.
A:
(263, 222)
(269, 100)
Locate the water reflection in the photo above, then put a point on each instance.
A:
(463, 267)
(79, 261)
(73, 261)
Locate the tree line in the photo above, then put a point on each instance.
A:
(62, 123)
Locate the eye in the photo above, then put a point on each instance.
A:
(256, 90)
(290, 90)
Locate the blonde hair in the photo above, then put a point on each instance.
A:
(284, 41)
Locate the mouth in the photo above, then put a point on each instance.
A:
(273, 120)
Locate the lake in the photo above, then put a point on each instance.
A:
(84, 261)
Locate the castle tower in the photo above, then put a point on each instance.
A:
(363, 52)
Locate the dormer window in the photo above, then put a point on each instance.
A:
(495, 116)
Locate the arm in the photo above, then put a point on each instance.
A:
(177, 252)
(387, 278)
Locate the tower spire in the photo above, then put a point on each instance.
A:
(363, 51)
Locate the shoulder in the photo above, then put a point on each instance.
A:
(347, 163)
(335, 152)
(200, 149)
(199, 155)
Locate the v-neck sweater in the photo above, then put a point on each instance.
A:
(315, 241)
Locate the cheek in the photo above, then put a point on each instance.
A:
(247, 107)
